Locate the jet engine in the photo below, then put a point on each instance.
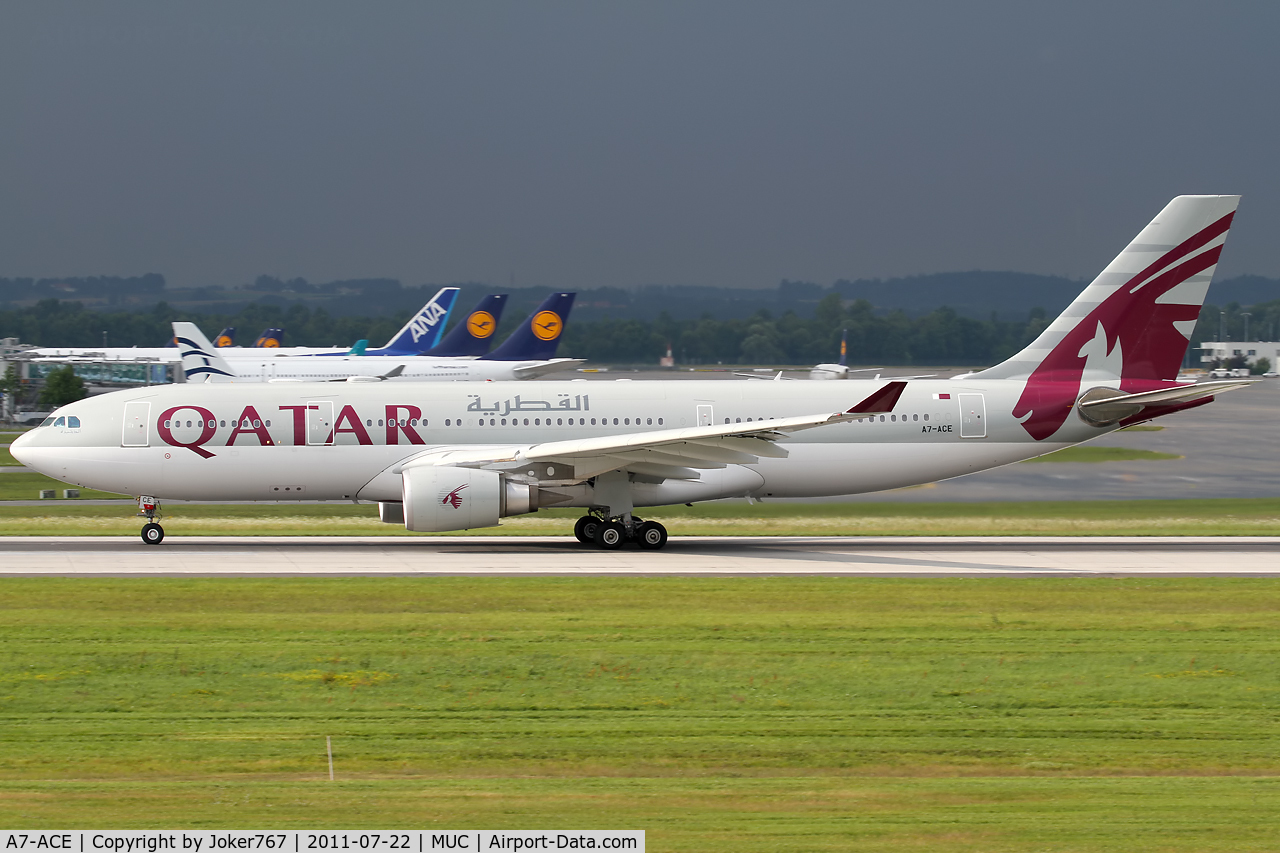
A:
(439, 498)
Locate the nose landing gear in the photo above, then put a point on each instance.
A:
(152, 533)
(611, 533)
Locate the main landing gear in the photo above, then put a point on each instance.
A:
(152, 533)
(611, 534)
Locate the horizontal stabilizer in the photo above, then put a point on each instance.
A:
(542, 368)
(1106, 405)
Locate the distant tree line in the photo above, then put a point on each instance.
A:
(939, 337)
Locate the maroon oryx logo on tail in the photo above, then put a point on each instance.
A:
(1134, 326)
(453, 498)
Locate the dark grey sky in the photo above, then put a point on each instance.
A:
(590, 144)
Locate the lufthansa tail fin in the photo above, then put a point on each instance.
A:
(1130, 328)
(423, 330)
(270, 339)
(201, 361)
(539, 335)
(225, 338)
(474, 335)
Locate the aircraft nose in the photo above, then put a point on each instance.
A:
(21, 448)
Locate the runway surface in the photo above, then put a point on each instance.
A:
(559, 556)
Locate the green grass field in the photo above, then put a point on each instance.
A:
(27, 487)
(748, 714)
(1219, 517)
(1090, 453)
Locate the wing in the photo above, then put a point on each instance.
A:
(666, 454)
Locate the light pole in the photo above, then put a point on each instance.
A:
(1222, 325)
(1246, 315)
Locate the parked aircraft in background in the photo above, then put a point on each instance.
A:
(456, 456)
(428, 323)
(839, 370)
(474, 334)
(225, 338)
(528, 351)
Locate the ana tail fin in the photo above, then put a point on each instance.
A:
(539, 335)
(423, 330)
(1130, 328)
(474, 334)
(200, 359)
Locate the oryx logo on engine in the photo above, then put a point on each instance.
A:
(452, 498)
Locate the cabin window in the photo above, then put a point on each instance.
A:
(648, 421)
(504, 421)
(538, 421)
(526, 421)
(626, 421)
(882, 419)
(73, 422)
(369, 422)
(593, 421)
(559, 422)
(379, 421)
(926, 416)
(222, 423)
(659, 421)
(738, 420)
(257, 424)
(446, 421)
(615, 421)
(491, 422)
(726, 420)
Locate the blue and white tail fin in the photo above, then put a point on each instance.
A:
(539, 335)
(270, 339)
(423, 330)
(844, 349)
(474, 334)
(225, 338)
(201, 361)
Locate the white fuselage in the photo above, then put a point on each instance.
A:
(419, 368)
(345, 441)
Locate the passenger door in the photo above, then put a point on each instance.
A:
(320, 422)
(137, 418)
(973, 416)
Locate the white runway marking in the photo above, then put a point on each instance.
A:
(461, 555)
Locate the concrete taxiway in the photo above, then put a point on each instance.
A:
(559, 556)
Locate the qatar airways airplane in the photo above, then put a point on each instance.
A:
(453, 456)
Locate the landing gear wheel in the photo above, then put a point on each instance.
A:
(610, 535)
(651, 535)
(584, 529)
(152, 533)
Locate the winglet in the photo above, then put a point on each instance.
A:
(359, 347)
(882, 400)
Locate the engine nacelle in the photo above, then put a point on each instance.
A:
(438, 498)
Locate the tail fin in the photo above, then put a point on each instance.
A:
(473, 335)
(200, 359)
(539, 335)
(225, 338)
(359, 347)
(424, 328)
(270, 339)
(844, 349)
(1130, 328)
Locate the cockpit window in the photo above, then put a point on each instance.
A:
(60, 422)
(73, 422)
(46, 421)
